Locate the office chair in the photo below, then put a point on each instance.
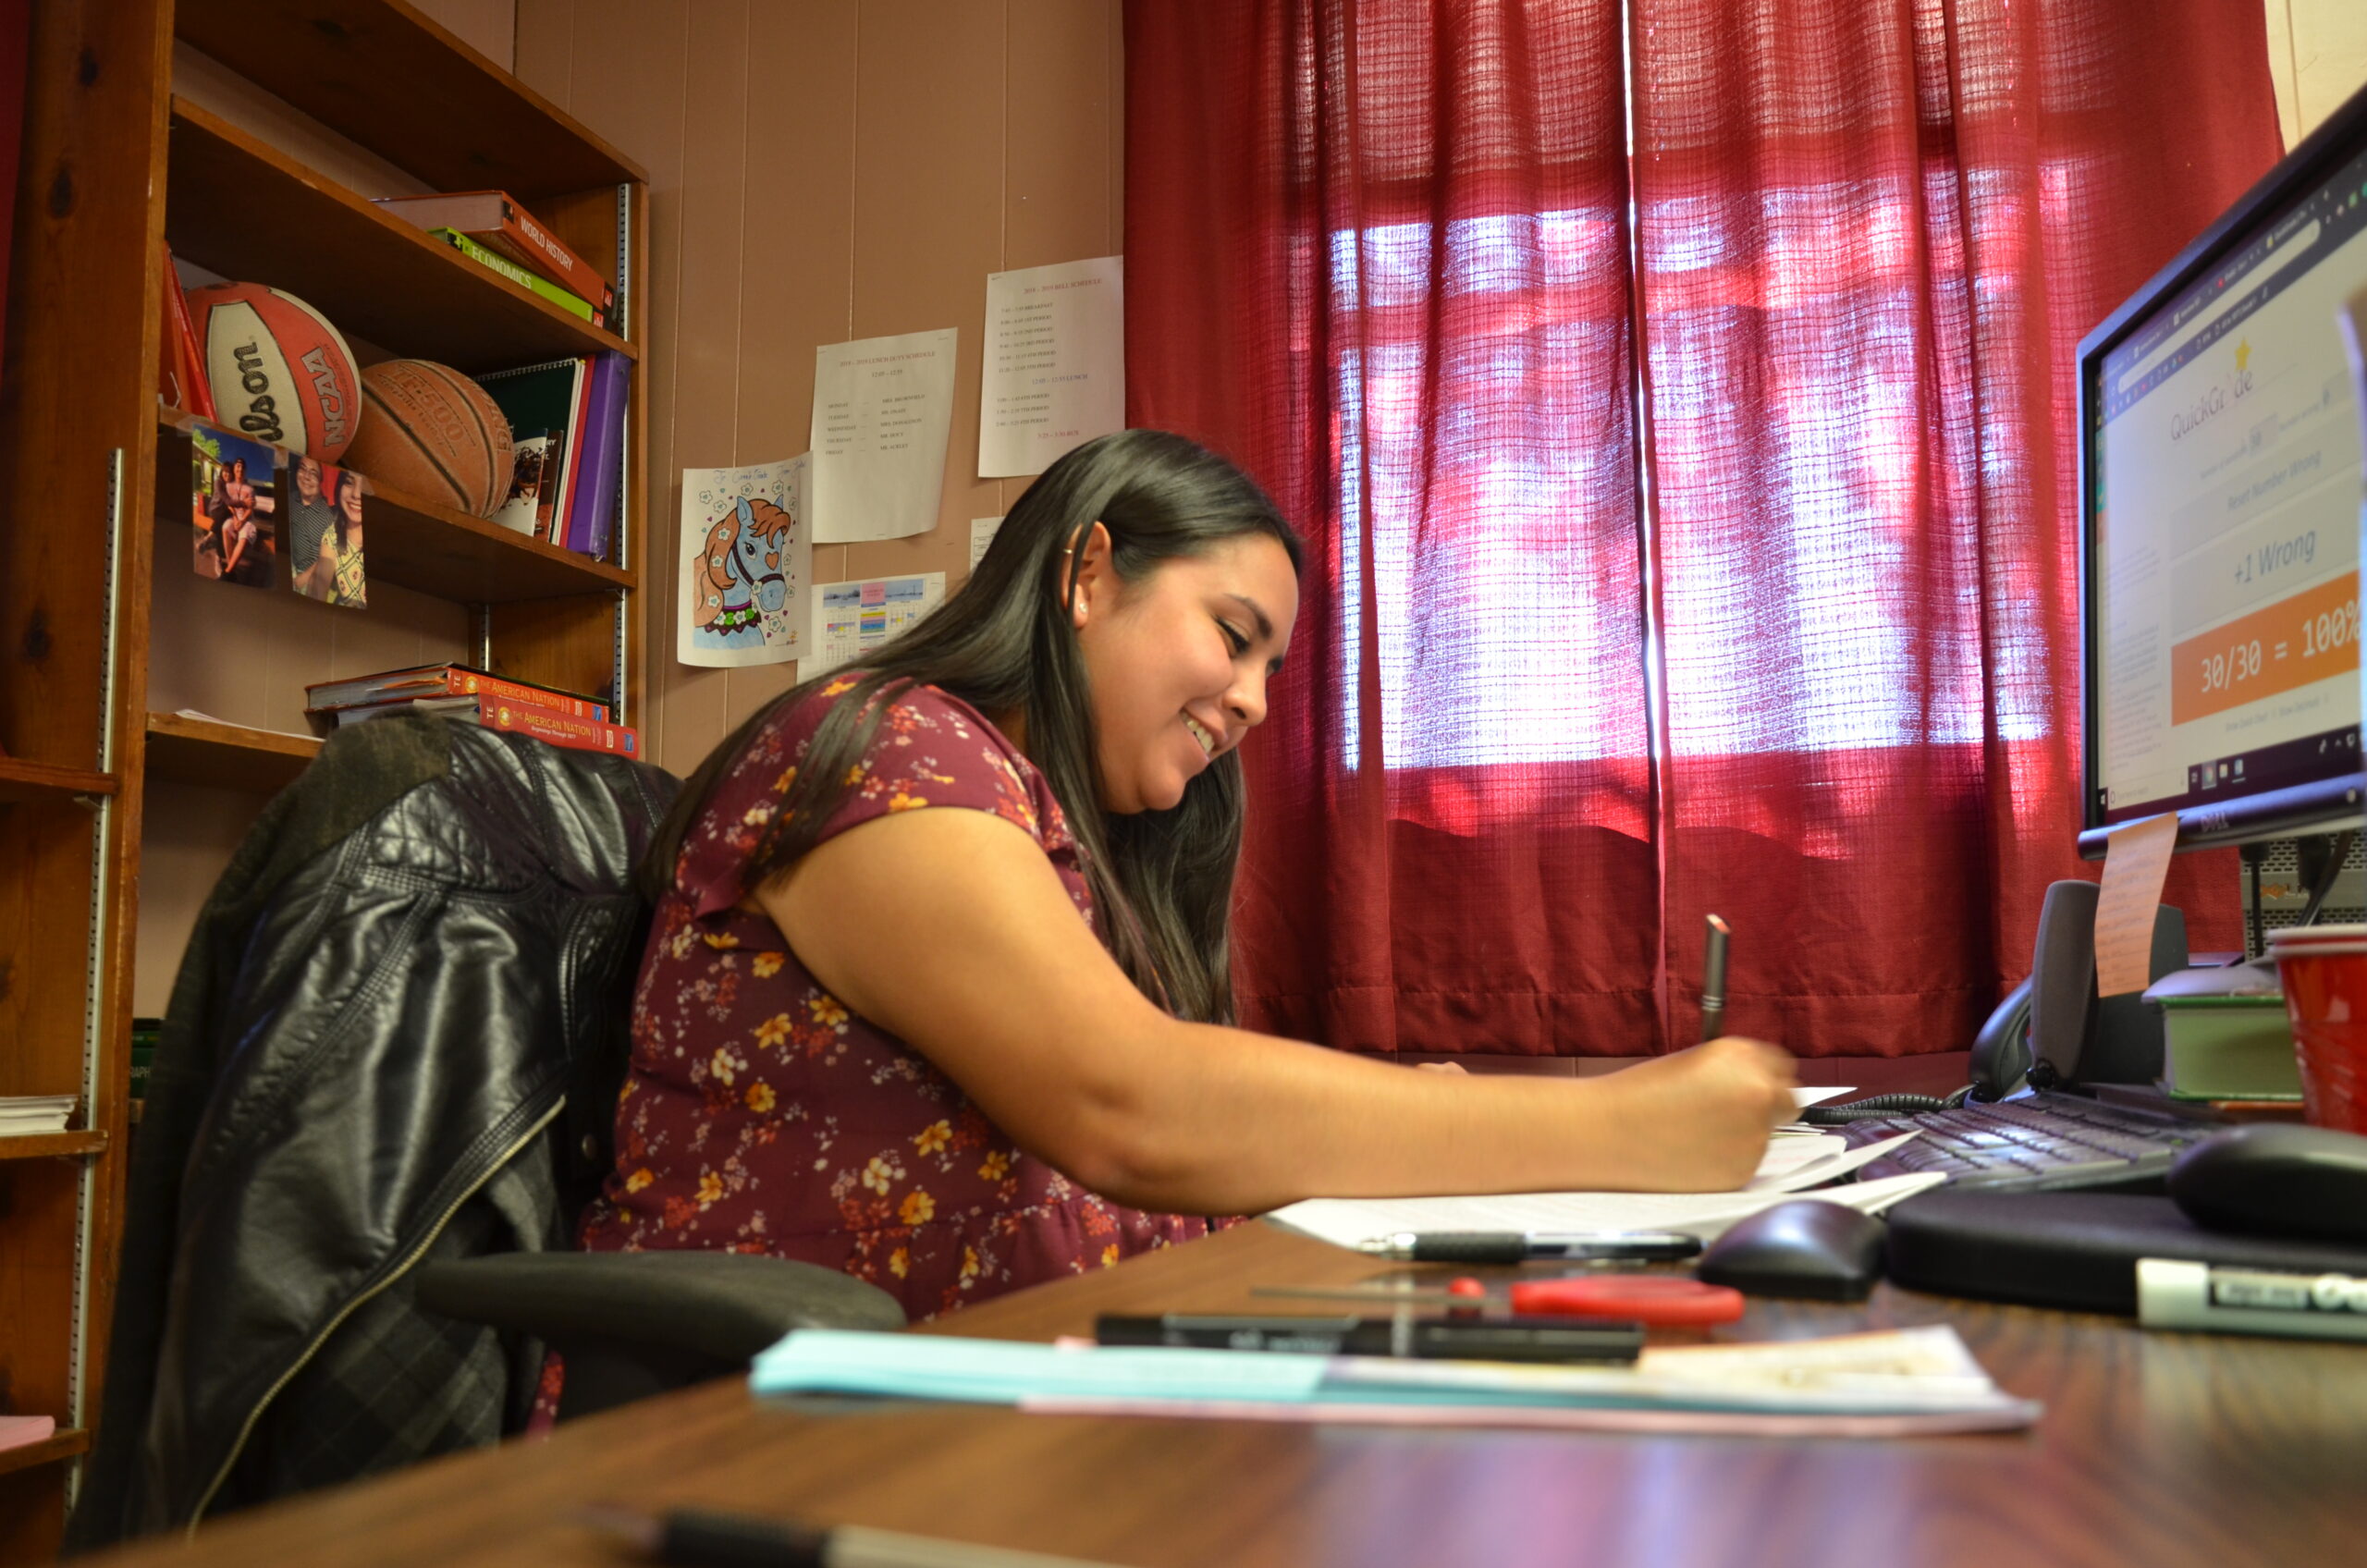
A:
(391, 1058)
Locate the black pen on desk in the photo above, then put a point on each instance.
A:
(1406, 1338)
(1525, 1247)
(1713, 980)
(686, 1538)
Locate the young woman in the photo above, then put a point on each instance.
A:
(348, 584)
(954, 1052)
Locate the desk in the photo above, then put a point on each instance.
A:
(2155, 1449)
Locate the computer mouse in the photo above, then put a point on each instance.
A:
(1804, 1247)
(2275, 1178)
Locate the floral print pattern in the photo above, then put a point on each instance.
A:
(761, 1114)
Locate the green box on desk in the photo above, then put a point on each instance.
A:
(2225, 1034)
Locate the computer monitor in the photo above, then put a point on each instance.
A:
(2220, 496)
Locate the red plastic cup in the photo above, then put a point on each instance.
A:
(2324, 969)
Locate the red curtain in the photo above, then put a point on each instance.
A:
(1799, 646)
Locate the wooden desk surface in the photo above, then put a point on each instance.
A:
(2155, 1449)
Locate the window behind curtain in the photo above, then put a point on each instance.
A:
(1386, 256)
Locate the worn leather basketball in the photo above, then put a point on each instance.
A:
(432, 432)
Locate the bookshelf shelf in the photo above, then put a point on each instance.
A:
(248, 211)
(416, 544)
(403, 86)
(224, 756)
(53, 1146)
(63, 1445)
(36, 781)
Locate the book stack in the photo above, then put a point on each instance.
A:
(27, 1116)
(471, 696)
(493, 231)
(567, 423)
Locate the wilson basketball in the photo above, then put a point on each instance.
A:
(279, 371)
(431, 432)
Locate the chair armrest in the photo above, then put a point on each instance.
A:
(721, 1306)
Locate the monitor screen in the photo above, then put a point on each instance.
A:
(2221, 493)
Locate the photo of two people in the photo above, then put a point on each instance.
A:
(325, 532)
(233, 485)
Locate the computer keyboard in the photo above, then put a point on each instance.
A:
(2046, 1139)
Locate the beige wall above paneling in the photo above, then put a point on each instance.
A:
(821, 171)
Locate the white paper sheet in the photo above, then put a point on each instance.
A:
(1346, 1221)
(883, 407)
(1803, 1097)
(745, 560)
(1055, 364)
(851, 619)
(982, 533)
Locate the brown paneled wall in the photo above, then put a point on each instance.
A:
(821, 171)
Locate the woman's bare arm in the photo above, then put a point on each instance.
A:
(950, 928)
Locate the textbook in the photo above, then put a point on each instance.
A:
(1874, 1385)
(519, 718)
(572, 304)
(495, 223)
(180, 369)
(442, 681)
(595, 472)
(544, 405)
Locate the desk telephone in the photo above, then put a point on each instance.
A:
(2054, 1030)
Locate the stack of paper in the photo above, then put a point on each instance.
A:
(23, 1431)
(1918, 1380)
(24, 1115)
(1792, 1166)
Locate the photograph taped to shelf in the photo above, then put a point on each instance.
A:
(747, 561)
(533, 485)
(325, 533)
(233, 494)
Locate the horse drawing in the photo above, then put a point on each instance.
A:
(739, 580)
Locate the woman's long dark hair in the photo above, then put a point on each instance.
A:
(1161, 880)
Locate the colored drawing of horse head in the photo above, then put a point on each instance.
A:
(739, 576)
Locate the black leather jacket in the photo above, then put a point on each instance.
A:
(423, 948)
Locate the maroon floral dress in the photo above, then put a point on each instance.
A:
(763, 1115)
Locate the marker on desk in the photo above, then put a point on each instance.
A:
(1713, 980)
(696, 1539)
(1521, 1246)
(2176, 1293)
(1418, 1338)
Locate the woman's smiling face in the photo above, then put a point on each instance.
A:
(1177, 661)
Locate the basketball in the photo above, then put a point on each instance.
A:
(279, 371)
(433, 433)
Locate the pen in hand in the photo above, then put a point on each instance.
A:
(1713, 981)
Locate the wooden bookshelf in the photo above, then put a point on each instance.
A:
(66, 1444)
(410, 91)
(226, 756)
(436, 549)
(53, 1146)
(92, 480)
(246, 210)
(35, 781)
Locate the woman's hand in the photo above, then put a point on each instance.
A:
(1707, 1112)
